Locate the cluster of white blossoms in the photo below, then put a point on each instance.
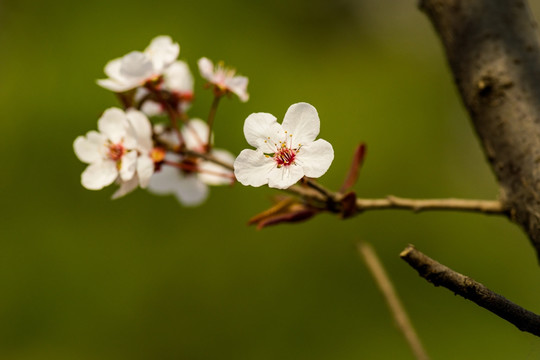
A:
(178, 157)
(131, 152)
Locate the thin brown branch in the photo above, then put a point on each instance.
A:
(417, 205)
(440, 275)
(210, 121)
(397, 309)
(328, 200)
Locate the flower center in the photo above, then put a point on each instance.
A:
(116, 151)
(284, 156)
(221, 75)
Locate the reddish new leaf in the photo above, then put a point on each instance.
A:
(286, 209)
(282, 204)
(288, 217)
(354, 170)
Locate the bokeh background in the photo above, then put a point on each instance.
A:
(84, 277)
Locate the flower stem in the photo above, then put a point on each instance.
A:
(329, 195)
(172, 113)
(210, 120)
(126, 99)
(208, 157)
(389, 293)
(194, 168)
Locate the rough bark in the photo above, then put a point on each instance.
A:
(493, 50)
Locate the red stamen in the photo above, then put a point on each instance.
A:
(116, 151)
(285, 156)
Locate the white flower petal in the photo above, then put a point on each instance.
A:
(191, 191)
(315, 158)
(162, 52)
(164, 181)
(238, 85)
(262, 131)
(177, 77)
(126, 187)
(285, 176)
(188, 189)
(152, 108)
(253, 167)
(142, 127)
(112, 69)
(302, 121)
(140, 93)
(206, 68)
(145, 169)
(113, 124)
(116, 81)
(195, 134)
(98, 175)
(136, 66)
(114, 85)
(130, 141)
(214, 174)
(128, 165)
(89, 149)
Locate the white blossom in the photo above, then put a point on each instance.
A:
(136, 68)
(284, 152)
(178, 81)
(187, 178)
(120, 151)
(224, 78)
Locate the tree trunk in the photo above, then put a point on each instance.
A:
(493, 49)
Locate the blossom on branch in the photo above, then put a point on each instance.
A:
(136, 68)
(224, 79)
(284, 152)
(188, 177)
(120, 151)
(177, 84)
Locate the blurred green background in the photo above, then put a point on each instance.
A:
(84, 277)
